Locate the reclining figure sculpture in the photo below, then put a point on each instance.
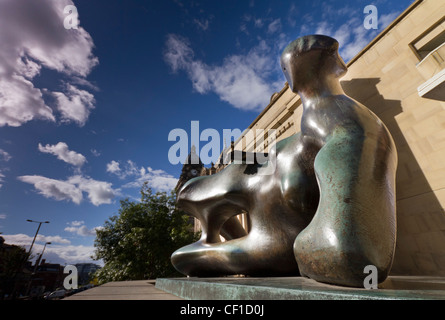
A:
(327, 210)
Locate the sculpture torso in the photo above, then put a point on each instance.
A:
(327, 209)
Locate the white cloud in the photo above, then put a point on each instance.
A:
(70, 254)
(63, 153)
(3, 216)
(342, 34)
(76, 223)
(178, 53)
(20, 102)
(32, 37)
(99, 192)
(59, 251)
(323, 28)
(74, 104)
(27, 67)
(359, 36)
(157, 179)
(25, 240)
(130, 169)
(56, 189)
(52, 239)
(79, 228)
(113, 167)
(241, 80)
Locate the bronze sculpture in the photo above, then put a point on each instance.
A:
(328, 209)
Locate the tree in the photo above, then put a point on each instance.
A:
(137, 243)
(12, 262)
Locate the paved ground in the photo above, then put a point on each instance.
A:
(227, 288)
(124, 290)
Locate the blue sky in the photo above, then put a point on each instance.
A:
(85, 113)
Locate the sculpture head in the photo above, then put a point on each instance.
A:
(310, 59)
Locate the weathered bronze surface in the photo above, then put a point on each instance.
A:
(328, 208)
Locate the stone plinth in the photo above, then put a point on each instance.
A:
(298, 288)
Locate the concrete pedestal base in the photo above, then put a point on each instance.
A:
(299, 288)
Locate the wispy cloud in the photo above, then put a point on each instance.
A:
(4, 156)
(241, 80)
(274, 26)
(350, 32)
(292, 15)
(95, 153)
(202, 24)
(386, 19)
(2, 179)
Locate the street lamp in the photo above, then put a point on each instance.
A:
(40, 223)
(30, 248)
(40, 257)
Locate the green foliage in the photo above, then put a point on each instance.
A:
(12, 260)
(137, 243)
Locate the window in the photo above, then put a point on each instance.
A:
(431, 40)
(430, 50)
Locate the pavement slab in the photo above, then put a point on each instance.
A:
(124, 290)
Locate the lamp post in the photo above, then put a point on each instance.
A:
(40, 223)
(35, 268)
(40, 257)
(30, 249)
